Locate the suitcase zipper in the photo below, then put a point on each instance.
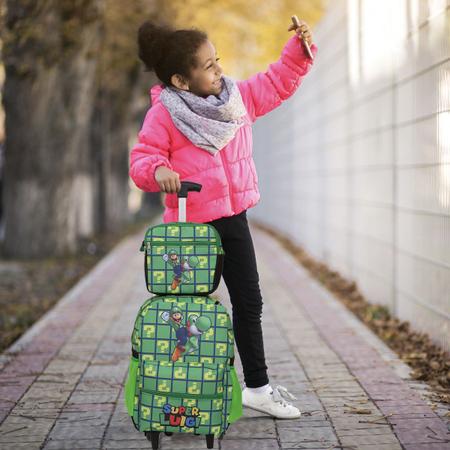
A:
(149, 244)
(216, 233)
(153, 242)
(169, 394)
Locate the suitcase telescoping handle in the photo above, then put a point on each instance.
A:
(186, 186)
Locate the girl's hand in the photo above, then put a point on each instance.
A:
(168, 180)
(302, 30)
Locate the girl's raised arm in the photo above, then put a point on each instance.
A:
(151, 151)
(264, 91)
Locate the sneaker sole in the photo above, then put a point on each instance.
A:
(272, 415)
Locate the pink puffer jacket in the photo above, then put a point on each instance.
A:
(229, 180)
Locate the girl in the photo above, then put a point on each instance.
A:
(199, 129)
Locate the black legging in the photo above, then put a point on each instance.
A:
(242, 280)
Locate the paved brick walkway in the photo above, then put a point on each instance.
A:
(61, 384)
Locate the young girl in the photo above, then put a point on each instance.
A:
(199, 129)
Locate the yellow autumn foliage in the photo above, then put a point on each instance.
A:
(247, 34)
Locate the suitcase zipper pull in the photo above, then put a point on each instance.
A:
(142, 246)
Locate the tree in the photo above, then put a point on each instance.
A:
(49, 49)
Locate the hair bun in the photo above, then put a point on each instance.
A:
(151, 40)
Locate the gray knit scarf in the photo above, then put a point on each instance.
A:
(211, 122)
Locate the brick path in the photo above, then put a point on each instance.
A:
(61, 384)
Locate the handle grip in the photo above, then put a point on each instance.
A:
(187, 186)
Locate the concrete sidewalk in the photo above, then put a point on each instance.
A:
(62, 382)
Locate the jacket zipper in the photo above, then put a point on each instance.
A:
(228, 180)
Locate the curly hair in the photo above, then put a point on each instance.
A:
(167, 51)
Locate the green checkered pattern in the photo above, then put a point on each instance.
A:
(191, 394)
(182, 258)
(180, 378)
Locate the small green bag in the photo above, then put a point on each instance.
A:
(182, 258)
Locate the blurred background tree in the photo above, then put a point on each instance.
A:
(74, 97)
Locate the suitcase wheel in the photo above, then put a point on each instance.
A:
(209, 440)
(168, 433)
(153, 437)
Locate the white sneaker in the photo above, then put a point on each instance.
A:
(271, 402)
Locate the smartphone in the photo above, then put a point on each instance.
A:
(296, 23)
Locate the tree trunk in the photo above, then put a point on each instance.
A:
(50, 81)
(109, 146)
(152, 202)
(120, 104)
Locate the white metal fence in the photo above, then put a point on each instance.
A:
(355, 166)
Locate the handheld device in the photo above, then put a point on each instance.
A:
(296, 23)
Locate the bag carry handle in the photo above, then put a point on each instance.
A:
(186, 187)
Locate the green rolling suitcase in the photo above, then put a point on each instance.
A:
(181, 376)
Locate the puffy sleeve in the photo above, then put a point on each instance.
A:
(150, 152)
(264, 91)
